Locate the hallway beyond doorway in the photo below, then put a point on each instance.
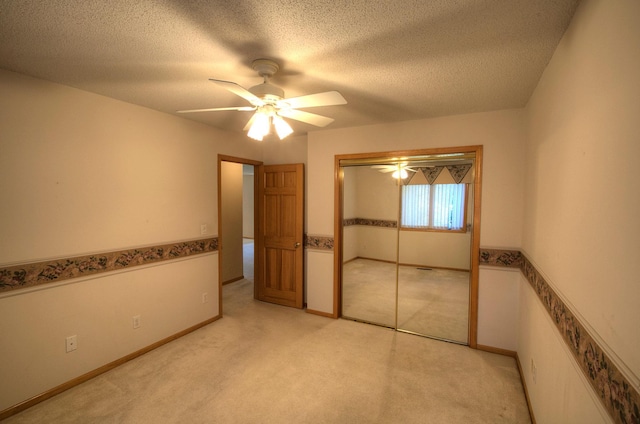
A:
(247, 259)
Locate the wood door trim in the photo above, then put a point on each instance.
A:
(475, 251)
(475, 235)
(337, 238)
(225, 158)
(399, 154)
(256, 213)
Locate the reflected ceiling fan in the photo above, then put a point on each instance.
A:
(399, 170)
(270, 106)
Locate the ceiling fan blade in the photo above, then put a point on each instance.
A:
(328, 98)
(242, 109)
(240, 91)
(309, 118)
(392, 168)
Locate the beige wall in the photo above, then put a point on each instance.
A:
(502, 133)
(248, 206)
(231, 195)
(581, 222)
(292, 149)
(81, 173)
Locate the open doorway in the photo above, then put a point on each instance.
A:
(248, 221)
(236, 224)
(278, 217)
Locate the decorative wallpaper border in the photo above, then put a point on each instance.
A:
(38, 273)
(370, 222)
(501, 257)
(318, 242)
(619, 397)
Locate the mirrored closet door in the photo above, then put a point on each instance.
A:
(407, 242)
(370, 245)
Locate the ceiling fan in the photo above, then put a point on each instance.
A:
(399, 170)
(270, 105)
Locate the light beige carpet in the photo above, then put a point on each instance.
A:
(264, 363)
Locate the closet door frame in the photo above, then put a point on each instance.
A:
(475, 235)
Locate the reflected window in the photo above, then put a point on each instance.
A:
(435, 207)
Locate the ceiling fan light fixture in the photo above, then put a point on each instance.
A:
(401, 174)
(260, 126)
(282, 128)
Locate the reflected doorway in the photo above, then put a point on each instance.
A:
(409, 227)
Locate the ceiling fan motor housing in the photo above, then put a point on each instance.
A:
(267, 92)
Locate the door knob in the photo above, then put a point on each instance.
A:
(296, 245)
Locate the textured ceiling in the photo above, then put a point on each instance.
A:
(392, 60)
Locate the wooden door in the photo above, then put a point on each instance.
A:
(279, 263)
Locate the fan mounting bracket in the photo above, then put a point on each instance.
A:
(265, 67)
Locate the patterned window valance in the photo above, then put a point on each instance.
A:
(458, 172)
(431, 174)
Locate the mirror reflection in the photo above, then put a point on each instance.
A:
(407, 244)
(370, 245)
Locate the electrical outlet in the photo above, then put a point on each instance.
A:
(136, 321)
(72, 343)
(203, 229)
(205, 297)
